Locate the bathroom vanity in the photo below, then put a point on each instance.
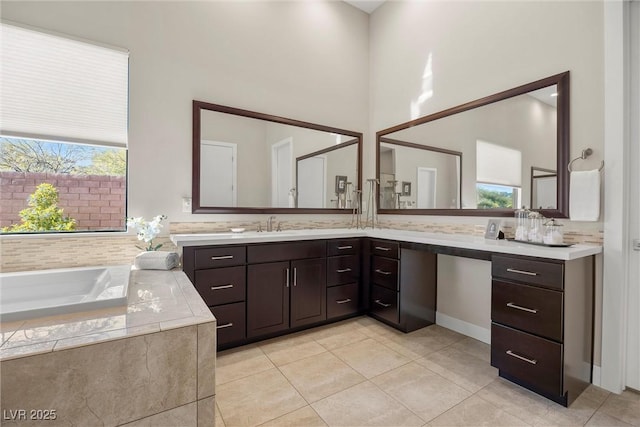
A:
(542, 297)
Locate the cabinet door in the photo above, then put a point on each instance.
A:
(267, 298)
(308, 291)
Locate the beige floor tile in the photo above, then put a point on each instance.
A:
(219, 420)
(364, 405)
(290, 348)
(516, 400)
(475, 348)
(580, 411)
(475, 411)
(303, 417)
(414, 346)
(319, 376)
(375, 329)
(257, 399)
(424, 392)
(370, 358)
(445, 335)
(463, 369)
(600, 419)
(333, 337)
(240, 362)
(625, 407)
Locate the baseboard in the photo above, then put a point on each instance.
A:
(464, 328)
(596, 375)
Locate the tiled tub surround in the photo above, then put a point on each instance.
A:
(151, 363)
(21, 253)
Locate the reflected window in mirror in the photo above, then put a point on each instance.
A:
(249, 162)
(498, 176)
(522, 127)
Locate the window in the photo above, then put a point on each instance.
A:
(498, 176)
(63, 133)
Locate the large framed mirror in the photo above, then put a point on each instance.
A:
(503, 138)
(250, 162)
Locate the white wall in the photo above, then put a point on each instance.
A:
(303, 60)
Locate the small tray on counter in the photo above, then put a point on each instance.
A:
(549, 245)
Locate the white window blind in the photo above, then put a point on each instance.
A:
(496, 164)
(58, 88)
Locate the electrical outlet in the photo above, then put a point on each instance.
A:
(186, 204)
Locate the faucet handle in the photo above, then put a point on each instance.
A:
(279, 228)
(259, 227)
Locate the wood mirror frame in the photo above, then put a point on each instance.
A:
(197, 208)
(562, 145)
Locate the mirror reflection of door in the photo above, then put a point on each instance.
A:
(218, 173)
(312, 180)
(543, 188)
(281, 173)
(426, 188)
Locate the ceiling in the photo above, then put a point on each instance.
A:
(365, 5)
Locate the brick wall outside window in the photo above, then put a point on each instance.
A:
(96, 202)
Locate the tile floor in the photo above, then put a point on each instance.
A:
(360, 372)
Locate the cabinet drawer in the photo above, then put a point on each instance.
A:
(230, 322)
(384, 248)
(343, 247)
(384, 271)
(219, 286)
(343, 269)
(532, 309)
(535, 360)
(220, 257)
(529, 271)
(342, 300)
(286, 251)
(384, 303)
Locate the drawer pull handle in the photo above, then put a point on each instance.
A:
(218, 258)
(226, 325)
(517, 356)
(295, 276)
(343, 301)
(519, 307)
(287, 277)
(341, 248)
(386, 273)
(382, 304)
(344, 270)
(528, 273)
(382, 248)
(217, 288)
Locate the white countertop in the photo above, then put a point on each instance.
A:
(439, 239)
(157, 301)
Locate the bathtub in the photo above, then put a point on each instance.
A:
(30, 294)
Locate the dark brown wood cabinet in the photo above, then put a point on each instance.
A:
(403, 284)
(308, 292)
(344, 261)
(219, 275)
(267, 298)
(542, 324)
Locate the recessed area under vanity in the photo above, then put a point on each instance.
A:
(262, 285)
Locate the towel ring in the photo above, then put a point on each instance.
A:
(585, 153)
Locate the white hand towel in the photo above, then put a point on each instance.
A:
(584, 195)
(158, 260)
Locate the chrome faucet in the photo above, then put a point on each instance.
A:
(270, 223)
